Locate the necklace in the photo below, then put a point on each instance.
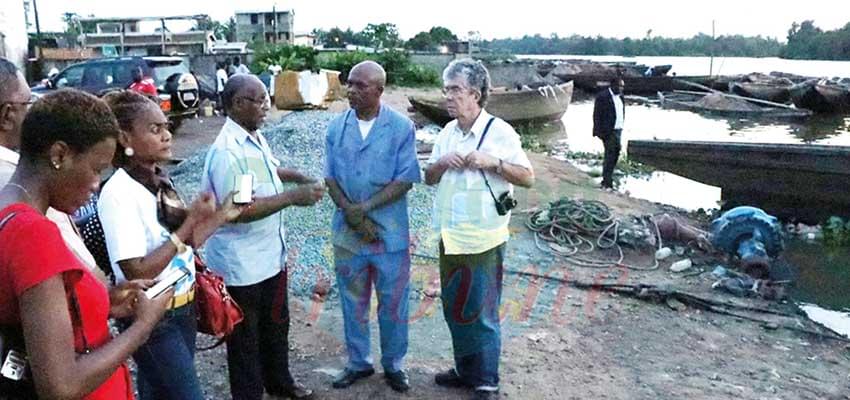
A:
(23, 189)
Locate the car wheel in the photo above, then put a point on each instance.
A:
(175, 124)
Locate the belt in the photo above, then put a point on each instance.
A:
(181, 300)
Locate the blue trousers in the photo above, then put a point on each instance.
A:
(355, 275)
(167, 360)
(471, 293)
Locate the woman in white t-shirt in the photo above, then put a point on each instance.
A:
(150, 234)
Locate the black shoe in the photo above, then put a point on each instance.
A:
(449, 378)
(349, 376)
(485, 395)
(398, 380)
(297, 391)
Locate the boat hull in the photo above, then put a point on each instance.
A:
(791, 181)
(761, 91)
(515, 107)
(821, 98)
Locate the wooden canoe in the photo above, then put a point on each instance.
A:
(762, 91)
(807, 182)
(821, 97)
(691, 102)
(548, 103)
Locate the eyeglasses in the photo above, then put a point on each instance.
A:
(257, 102)
(453, 90)
(21, 103)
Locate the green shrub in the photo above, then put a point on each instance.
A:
(295, 58)
(836, 232)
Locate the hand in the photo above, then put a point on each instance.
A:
(228, 212)
(368, 231)
(354, 214)
(453, 160)
(481, 160)
(149, 311)
(202, 208)
(307, 195)
(122, 298)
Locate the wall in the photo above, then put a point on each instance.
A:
(14, 32)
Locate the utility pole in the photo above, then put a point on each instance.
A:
(37, 30)
(711, 63)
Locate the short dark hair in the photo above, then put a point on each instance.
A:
(8, 75)
(232, 87)
(127, 106)
(77, 118)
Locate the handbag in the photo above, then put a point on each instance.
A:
(16, 381)
(217, 312)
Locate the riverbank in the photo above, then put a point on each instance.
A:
(559, 342)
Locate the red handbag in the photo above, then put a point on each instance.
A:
(217, 312)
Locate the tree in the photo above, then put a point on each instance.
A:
(381, 36)
(441, 35)
(72, 27)
(422, 42)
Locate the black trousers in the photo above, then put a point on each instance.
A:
(258, 349)
(612, 153)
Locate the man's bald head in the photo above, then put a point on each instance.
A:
(246, 101)
(371, 71)
(14, 97)
(237, 85)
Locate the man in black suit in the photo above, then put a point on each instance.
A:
(609, 113)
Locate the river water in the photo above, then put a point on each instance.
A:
(823, 281)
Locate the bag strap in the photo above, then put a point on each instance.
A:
(76, 316)
(480, 141)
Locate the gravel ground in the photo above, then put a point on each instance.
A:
(298, 141)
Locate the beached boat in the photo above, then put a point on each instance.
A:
(547, 103)
(728, 106)
(807, 182)
(775, 92)
(821, 96)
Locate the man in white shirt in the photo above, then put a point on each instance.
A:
(476, 160)
(220, 82)
(240, 68)
(609, 114)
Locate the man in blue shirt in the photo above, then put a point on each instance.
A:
(371, 164)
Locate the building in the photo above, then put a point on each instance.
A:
(266, 26)
(13, 32)
(123, 36)
(304, 39)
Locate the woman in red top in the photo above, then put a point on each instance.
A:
(68, 138)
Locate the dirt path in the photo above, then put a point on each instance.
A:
(564, 343)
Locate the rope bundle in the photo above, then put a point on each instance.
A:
(574, 228)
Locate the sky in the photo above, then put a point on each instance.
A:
(497, 18)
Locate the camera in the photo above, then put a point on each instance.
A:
(505, 203)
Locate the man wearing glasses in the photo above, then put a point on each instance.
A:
(14, 102)
(476, 159)
(251, 253)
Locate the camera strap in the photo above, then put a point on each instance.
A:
(480, 141)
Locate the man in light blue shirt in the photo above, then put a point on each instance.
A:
(251, 253)
(371, 164)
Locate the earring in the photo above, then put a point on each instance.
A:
(128, 151)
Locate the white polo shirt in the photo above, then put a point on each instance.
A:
(127, 212)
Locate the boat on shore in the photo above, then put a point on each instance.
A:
(775, 92)
(546, 103)
(821, 96)
(725, 105)
(798, 181)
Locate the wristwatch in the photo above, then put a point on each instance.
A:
(499, 168)
(181, 247)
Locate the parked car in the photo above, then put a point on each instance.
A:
(177, 87)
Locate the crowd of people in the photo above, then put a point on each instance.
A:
(54, 153)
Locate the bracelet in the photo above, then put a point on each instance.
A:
(181, 247)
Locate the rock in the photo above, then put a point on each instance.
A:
(681, 265)
(676, 305)
(663, 253)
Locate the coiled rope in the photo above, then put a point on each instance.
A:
(574, 228)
